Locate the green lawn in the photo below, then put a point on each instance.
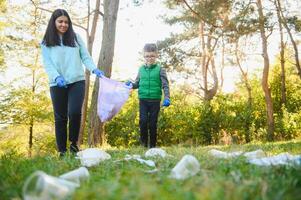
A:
(218, 178)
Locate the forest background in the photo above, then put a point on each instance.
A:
(252, 46)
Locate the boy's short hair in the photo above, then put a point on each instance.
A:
(150, 47)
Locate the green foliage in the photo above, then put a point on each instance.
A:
(177, 123)
(23, 106)
(3, 6)
(16, 137)
(287, 115)
(192, 121)
(295, 23)
(2, 25)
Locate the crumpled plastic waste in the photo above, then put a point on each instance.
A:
(249, 155)
(221, 154)
(155, 152)
(92, 156)
(280, 159)
(188, 166)
(259, 153)
(40, 185)
(111, 97)
(149, 163)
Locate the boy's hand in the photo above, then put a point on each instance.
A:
(98, 73)
(166, 103)
(129, 84)
(60, 82)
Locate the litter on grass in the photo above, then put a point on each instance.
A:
(221, 154)
(156, 152)
(251, 154)
(188, 166)
(259, 153)
(77, 175)
(138, 158)
(280, 159)
(258, 157)
(92, 156)
(40, 185)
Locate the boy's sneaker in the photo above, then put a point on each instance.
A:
(74, 148)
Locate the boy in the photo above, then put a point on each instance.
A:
(150, 81)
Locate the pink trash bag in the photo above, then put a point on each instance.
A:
(111, 97)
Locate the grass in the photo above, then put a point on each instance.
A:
(218, 178)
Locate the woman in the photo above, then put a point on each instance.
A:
(63, 53)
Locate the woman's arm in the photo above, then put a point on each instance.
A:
(84, 54)
(48, 64)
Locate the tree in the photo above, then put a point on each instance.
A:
(207, 25)
(284, 20)
(90, 39)
(2, 25)
(265, 74)
(26, 104)
(282, 52)
(96, 132)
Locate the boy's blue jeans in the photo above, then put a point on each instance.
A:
(149, 111)
(67, 104)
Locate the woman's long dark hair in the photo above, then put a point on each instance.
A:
(52, 38)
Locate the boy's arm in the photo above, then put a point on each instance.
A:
(136, 83)
(165, 83)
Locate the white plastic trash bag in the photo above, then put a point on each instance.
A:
(92, 156)
(188, 166)
(111, 97)
(155, 152)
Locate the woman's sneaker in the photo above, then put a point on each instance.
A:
(62, 154)
(74, 148)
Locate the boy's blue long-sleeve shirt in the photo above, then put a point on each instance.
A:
(67, 62)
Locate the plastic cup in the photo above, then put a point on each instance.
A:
(39, 185)
(77, 175)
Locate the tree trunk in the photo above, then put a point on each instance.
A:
(97, 134)
(284, 22)
(265, 75)
(210, 93)
(222, 64)
(249, 90)
(90, 39)
(282, 60)
(30, 142)
(31, 122)
(244, 76)
(204, 56)
(213, 90)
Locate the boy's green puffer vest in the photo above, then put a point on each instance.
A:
(150, 82)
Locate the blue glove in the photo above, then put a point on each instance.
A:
(166, 103)
(129, 84)
(98, 73)
(60, 82)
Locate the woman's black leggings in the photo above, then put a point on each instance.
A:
(67, 104)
